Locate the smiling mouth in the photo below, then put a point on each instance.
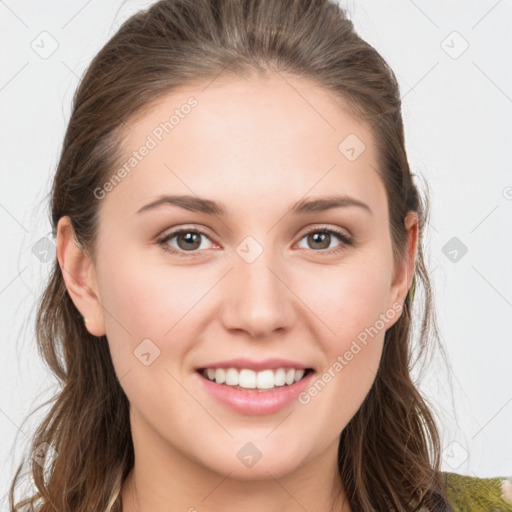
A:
(249, 380)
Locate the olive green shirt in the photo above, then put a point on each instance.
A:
(474, 494)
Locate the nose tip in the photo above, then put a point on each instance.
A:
(258, 300)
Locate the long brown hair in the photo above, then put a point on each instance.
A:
(389, 453)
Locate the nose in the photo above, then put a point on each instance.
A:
(256, 297)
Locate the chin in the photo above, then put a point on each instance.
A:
(247, 464)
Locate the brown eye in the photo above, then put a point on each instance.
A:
(187, 240)
(320, 239)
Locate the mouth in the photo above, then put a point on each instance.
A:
(269, 380)
(255, 393)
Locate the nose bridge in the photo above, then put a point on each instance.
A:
(259, 301)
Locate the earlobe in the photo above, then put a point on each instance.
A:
(79, 277)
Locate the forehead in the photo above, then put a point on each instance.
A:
(275, 136)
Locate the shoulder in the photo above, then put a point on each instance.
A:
(471, 493)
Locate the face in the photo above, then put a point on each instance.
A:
(266, 279)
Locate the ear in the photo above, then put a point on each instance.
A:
(404, 274)
(79, 277)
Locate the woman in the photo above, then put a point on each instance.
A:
(268, 368)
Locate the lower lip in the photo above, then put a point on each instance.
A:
(256, 403)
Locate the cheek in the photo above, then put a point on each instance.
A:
(353, 309)
(146, 299)
(347, 298)
(352, 300)
(363, 298)
(152, 313)
(144, 309)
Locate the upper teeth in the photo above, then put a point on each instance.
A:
(245, 378)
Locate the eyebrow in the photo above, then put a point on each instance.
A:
(218, 209)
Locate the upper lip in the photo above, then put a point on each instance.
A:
(271, 364)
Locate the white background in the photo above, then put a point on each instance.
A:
(457, 111)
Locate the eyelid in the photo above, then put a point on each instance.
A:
(164, 238)
(172, 231)
(323, 227)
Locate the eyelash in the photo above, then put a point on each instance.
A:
(345, 239)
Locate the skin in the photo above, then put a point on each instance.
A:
(258, 156)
